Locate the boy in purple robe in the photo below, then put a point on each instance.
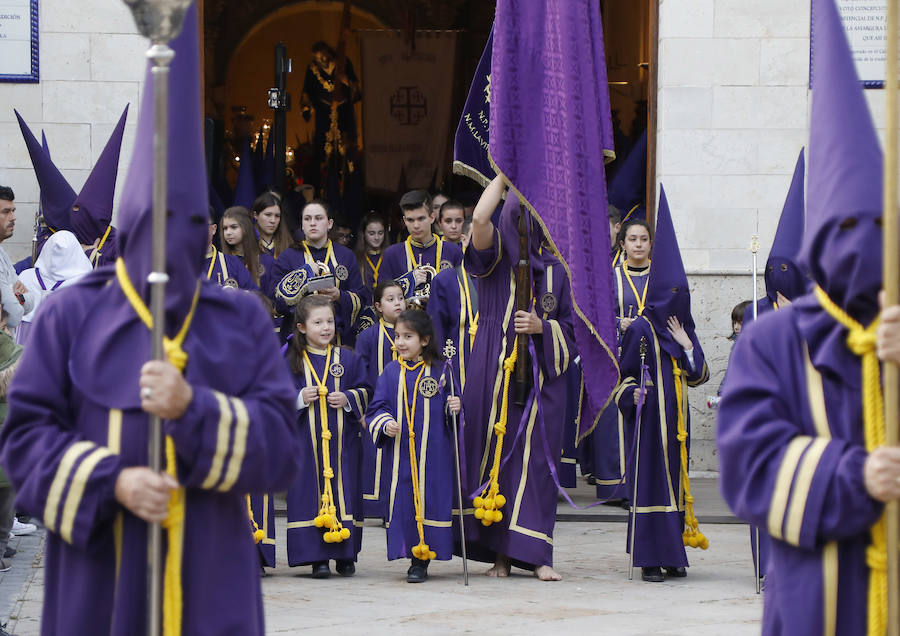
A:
(325, 517)
(324, 257)
(801, 450)
(225, 270)
(664, 521)
(75, 442)
(523, 495)
(409, 262)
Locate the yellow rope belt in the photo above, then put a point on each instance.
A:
(327, 518)
(174, 523)
(487, 506)
(861, 341)
(258, 535)
(420, 551)
(691, 536)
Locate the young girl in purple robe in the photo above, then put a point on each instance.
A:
(325, 503)
(373, 240)
(406, 419)
(375, 346)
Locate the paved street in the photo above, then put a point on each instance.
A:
(595, 596)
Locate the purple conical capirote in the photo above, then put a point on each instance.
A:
(44, 143)
(668, 293)
(783, 274)
(187, 197)
(629, 185)
(93, 209)
(57, 195)
(845, 176)
(245, 188)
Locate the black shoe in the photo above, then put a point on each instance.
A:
(8, 554)
(652, 575)
(345, 567)
(417, 572)
(676, 573)
(320, 570)
(591, 480)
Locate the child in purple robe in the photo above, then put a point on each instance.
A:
(370, 246)
(664, 521)
(406, 419)
(376, 347)
(324, 257)
(271, 228)
(225, 270)
(325, 517)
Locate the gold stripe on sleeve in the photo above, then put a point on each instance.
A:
(782, 490)
(239, 450)
(805, 475)
(76, 490)
(54, 495)
(218, 461)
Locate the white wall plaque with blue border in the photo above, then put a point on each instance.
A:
(19, 41)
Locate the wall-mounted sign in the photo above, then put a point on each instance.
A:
(19, 41)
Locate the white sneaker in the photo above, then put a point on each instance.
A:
(22, 529)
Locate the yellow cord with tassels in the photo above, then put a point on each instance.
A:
(327, 517)
(174, 522)
(488, 505)
(258, 535)
(691, 536)
(861, 341)
(421, 551)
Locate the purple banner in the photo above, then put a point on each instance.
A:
(550, 132)
(470, 151)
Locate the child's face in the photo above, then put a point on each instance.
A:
(392, 304)
(452, 223)
(736, 327)
(374, 235)
(409, 344)
(319, 327)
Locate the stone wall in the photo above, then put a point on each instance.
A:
(733, 114)
(91, 65)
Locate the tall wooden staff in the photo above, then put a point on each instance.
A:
(754, 248)
(891, 276)
(160, 21)
(522, 373)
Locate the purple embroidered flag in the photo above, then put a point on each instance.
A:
(550, 132)
(470, 150)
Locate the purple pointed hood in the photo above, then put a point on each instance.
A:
(245, 188)
(44, 144)
(668, 293)
(783, 274)
(92, 211)
(842, 242)
(57, 195)
(188, 201)
(629, 185)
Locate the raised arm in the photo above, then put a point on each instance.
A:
(482, 227)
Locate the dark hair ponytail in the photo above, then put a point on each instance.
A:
(420, 322)
(301, 313)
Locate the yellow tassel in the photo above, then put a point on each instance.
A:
(861, 341)
(692, 537)
(174, 523)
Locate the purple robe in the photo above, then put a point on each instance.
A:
(342, 263)
(304, 541)
(790, 436)
(763, 305)
(568, 457)
(263, 509)
(227, 270)
(610, 443)
(526, 532)
(367, 271)
(374, 346)
(660, 495)
(450, 313)
(434, 455)
(67, 438)
(397, 264)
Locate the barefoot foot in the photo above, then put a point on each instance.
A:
(546, 573)
(500, 569)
